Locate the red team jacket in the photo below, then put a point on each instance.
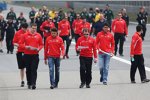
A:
(119, 26)
(64, 28)
(54, 47)
(46, 24)
(34, 40)
(88, 46)
(136, 45)
(105, 42)
(77, 26)
(17, 39)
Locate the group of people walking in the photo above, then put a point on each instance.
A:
(51, 33)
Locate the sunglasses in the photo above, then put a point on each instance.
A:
(86, 34)
(33, 28)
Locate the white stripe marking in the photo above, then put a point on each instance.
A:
(123, 60)
(127, 62)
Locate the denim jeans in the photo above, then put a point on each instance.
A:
(54, 63)
(104, 60)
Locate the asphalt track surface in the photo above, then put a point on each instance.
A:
(118, 88)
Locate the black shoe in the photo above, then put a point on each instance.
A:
(121, 55)
(82, 85)
(22, 84)
(56, 86)
(11, 52)
(1, 51)
(133, 82)
(87, 86)
(7, 52)
(33, 87)
(51, 87)
(145, 80)
(101, 79)
(105, 83)
(29, 86)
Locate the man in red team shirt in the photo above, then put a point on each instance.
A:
(137, 59)
(77, 27)
(105, 44)
(46, 27)
(54, 51)
(20, 52)
(32, 44)
(85, 25)
(64, 32)
(87, 47)
(120, 30)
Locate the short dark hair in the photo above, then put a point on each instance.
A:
(106, 24)
(54, 29)
(34, 24)
(24, 25)
(138, 28)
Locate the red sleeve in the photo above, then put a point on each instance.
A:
(59, 24)
(97, 40)
(22, 42)
(112, 26)
(95, 48)
(62, 48)
(46, 49)
(133, 43)
(15, 39)
(42, 27)
(78, 43)
(40, 43)
(53, 25)
(112, 44)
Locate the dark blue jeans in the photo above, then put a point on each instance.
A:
(54, 63)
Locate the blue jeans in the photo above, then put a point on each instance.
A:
(104, 60)
(51, 62)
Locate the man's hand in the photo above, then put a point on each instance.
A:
(45, 61)
(70, 37)
(61, 57)
(95, 60)
(111, 55)
(16, 44)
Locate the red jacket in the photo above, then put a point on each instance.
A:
(34, 40)
(89, 46)
(54, 47)
(136, 45)
(45, 25)
(17, 39)
(119, 26)
(77, 26)
(86, 25)
(105, 42)
(64, 28)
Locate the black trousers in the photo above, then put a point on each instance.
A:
(31, 63)
(119, 38)
(68, 41)
(86, 69)
(137, 63)
(9, 43)
(144, 31)
(76, 39)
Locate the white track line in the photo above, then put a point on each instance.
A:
(123, 60)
